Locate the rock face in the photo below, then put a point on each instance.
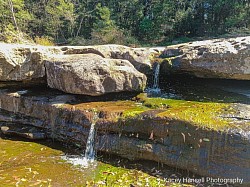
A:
(91, 74)
(91, 70)
(29, 132)
(173, 142)
(221, 58)
(96, 70)
(22, 62)
(139, 57)
(26, 62)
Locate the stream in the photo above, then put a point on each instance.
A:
(50, 163)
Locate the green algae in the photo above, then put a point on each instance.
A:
(130, 113)
(33, 164)
(201, 114)
(204, 115)
(121, 109)
(118, 176)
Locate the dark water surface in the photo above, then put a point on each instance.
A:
(205, 90)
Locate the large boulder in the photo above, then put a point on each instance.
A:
(91, 74)
(23, 62)
(26, 62)
(219, 58)
(139, 57)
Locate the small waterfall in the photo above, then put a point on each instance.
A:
(156, 88)
(90, 151)
(156, 77)
(89, 155)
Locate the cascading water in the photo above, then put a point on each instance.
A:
(90, 151)
(156, 77)
(89, 156)
(155, 88)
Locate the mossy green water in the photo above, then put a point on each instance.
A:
(33, 164)
(134, 111)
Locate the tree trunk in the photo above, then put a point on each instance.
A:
(13, 15)
(80, 26)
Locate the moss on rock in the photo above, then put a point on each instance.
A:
(201, 114)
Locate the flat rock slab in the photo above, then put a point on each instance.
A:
(220, 58)
(29, 132)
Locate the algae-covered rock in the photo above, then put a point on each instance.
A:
(191, 135)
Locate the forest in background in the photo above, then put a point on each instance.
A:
(127, 22)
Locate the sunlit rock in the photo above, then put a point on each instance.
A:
(91, 74)
(220, 58)
(23, 62)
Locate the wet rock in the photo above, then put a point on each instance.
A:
(29, 132)
(91, 74)
(220, 58)
(174, 142)
(215, 159)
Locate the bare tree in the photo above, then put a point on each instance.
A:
(13, 15)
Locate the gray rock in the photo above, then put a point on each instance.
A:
(23, 62)
(138, 57)
(174, 142)
(91, 74)
(221, 58)
(23, 131)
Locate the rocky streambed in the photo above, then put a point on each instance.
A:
(194, 124)
(205, 135)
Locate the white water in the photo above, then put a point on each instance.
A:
(89, 155)
(156, 77)
(90, 151)
(156, 88)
